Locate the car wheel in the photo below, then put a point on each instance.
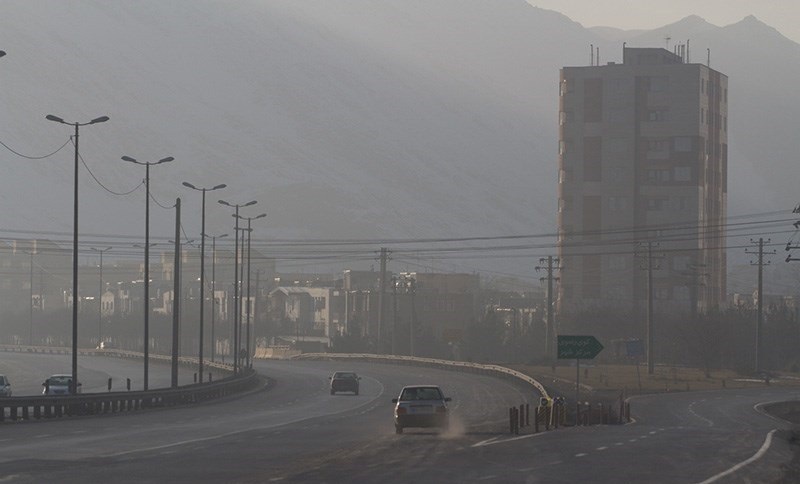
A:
(356, 392)
(398, 429)
(333, 392)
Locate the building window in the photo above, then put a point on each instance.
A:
(659, 84)
(657, 115)
(725, 124)
(616, 204)
(702, 116)
(662, 293)
(683, 174)
(657, 145)
(564, 117)
(683, 144)
(564, 176)
(680, 203)
(562, 147)
(617, 262)
(658, 176)
(702, 86)
(656, 204)
(564, 87)
(564, 204)
(681, 262)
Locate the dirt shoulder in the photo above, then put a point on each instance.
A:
(607, 383)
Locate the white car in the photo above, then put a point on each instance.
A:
(58, 385)
(421, 406)
(5, 386)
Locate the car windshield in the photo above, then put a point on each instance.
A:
(344, 375)
(421, 393)
(58, 380)
(3, 380)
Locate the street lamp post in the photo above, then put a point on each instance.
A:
(213, 289)
(147, 257)
(202, 267)
(236, 281)
(101, 119)
(249, 233)
(100, 297)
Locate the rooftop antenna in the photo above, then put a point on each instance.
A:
(598, 56)
(591, 49)
(687, 51)
(667, 39)
(708, 61)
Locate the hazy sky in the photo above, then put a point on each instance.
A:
(783, 15)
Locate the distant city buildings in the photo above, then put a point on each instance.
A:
(643, 161)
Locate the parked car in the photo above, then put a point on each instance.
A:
(5, 386)
(344, 381)
(59, 385)
(421, 406)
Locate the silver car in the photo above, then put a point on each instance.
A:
(5, 386)
(421, 406)
(58, 385)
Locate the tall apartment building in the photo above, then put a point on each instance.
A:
(642, 159)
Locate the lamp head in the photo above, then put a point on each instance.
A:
(55, 118)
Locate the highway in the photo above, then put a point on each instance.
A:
(295, 431)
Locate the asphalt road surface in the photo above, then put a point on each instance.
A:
(295, 431)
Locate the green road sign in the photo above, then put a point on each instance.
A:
(578, 347)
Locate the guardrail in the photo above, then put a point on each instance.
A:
(495, 370)
(53, 406)
(49, 406)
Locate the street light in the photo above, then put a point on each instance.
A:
(249, 232)
(101, 119)
(213, 288)
(236, 282)
(100, 300)
(202, 266)
(147, 257)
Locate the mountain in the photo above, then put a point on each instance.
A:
(343, 118)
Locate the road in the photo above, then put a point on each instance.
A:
(295, 431)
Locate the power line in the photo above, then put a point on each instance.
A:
(36, 157)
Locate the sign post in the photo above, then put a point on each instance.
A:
(578, 347)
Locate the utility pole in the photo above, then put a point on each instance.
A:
(760, 304)
(394, 315)
(650, 267)
(381, 291)
(176, 298)
(550, 333)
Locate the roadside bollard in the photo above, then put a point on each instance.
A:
(195, 377)
(210, 379)
(109, 384)
(511, 420)
(536, 412)
(527, 415)
(128, 384)
(521, 415)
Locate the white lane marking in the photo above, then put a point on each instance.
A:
(619, 443)
(240, 431)
(42, 436)
(652, 432)
(4, 440)
(581, 455)
(759, 407)
(601, 448)
(632, 440)
(753, 458)
(493, 441)
(484, 442)
(486, 478)
(642, 436)
(707, 421)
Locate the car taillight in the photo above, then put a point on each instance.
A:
(401, 410)
(441, 409)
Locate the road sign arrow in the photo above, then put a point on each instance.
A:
(578, 347)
